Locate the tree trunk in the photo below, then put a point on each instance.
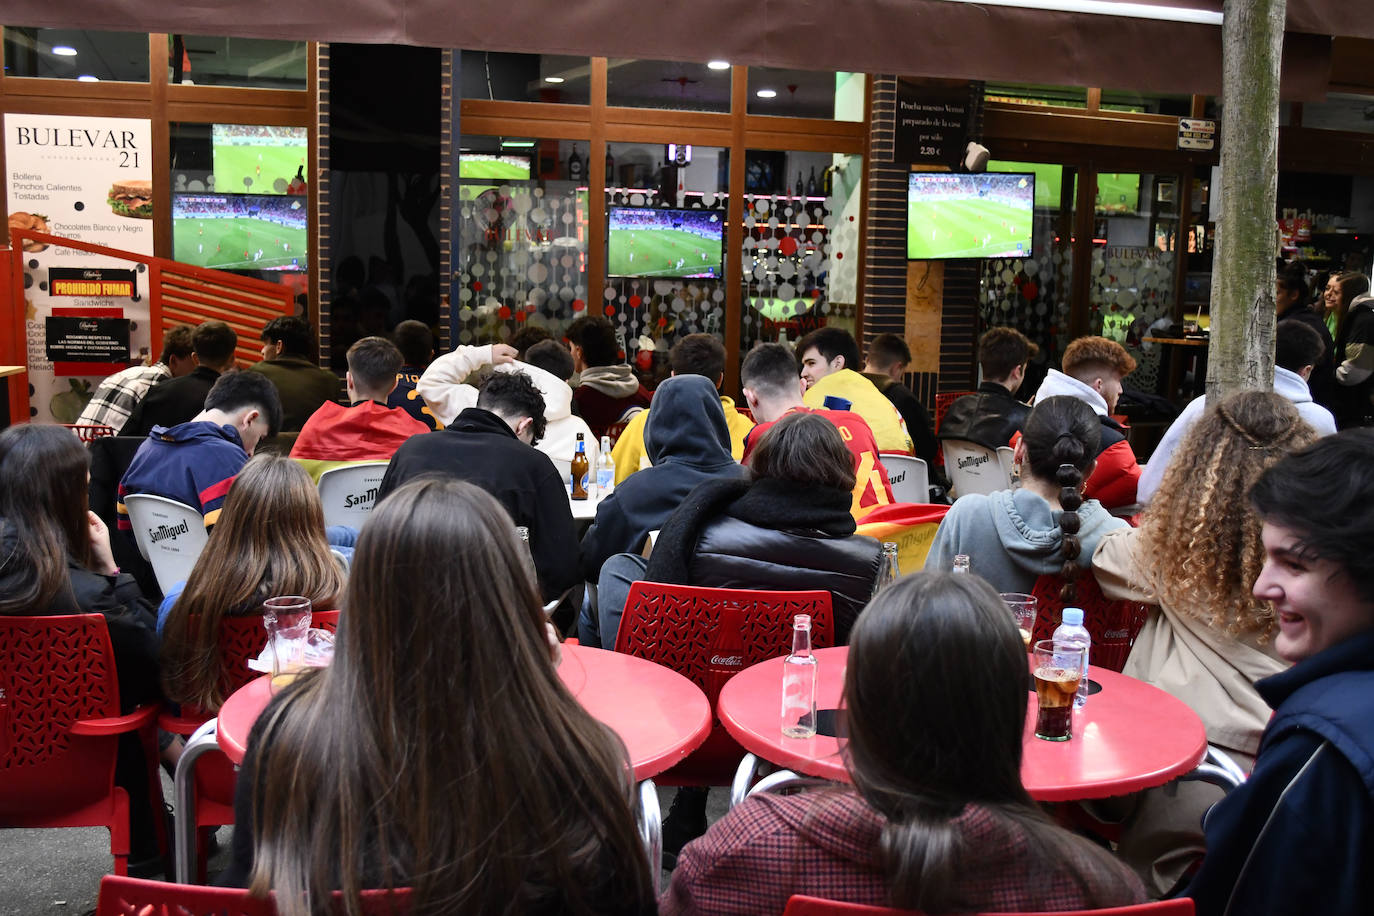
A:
(1242, 312)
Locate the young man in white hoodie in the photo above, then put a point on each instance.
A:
(1297, 349)
(1093, 370)
(444, 388)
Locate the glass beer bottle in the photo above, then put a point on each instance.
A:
(579, 470)
(799, 683)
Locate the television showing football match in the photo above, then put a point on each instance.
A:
(952, 216)
(239, 231)
(654, 242)
(256, 159)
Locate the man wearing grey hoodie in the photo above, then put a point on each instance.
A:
(606, 390)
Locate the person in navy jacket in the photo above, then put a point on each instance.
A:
(1298, 835)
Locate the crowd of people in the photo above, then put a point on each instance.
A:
(442, 752)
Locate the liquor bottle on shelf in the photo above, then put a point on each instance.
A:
(801, 188)
(575, 166)
(811, 183)
(610, 169)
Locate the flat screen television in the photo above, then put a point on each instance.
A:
(951, 216)
(1117, 192)
(493, 167)
(654, 242)
(256, 159)
(239, 231)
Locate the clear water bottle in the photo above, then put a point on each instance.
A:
(889, 571)
(1072, 632)
(799, 683)
(962, 564)
(605, 470)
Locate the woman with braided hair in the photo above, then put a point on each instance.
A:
(1195, 556)
(1045, 526)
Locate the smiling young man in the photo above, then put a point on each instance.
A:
(1298, 836)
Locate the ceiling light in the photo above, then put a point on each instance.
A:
(718, 65)
(1112, 8)
(553, 79)
(64, 50)
(766, 93)
(87, 78)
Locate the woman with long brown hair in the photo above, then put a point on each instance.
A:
(938, 819)
(1341, 290)
(270, 540)
(440, 751)
(1195, 557)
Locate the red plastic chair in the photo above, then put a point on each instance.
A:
(799, 905)
(942, 402)
(240, 639)
(134, 897)
(1113, 625)
(709, 635)
(60, 727)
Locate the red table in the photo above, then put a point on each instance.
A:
(659, 714)
(1129, 736)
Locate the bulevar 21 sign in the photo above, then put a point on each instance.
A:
(81, 339)
(91, 281)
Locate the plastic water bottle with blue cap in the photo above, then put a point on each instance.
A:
(1072, 632)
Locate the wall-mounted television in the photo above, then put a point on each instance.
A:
(952, 216)
(256, 159)
(240, 231)
(493, 167)
(1117, 192)
(654, 242)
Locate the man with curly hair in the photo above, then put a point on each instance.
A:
(1093, 370)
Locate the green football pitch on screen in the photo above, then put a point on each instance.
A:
(969, 228)
(656, 253)
(234, 243)
(256, 169)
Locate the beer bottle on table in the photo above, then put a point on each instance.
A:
(579, 470)
(799, 683)
(888, 572)
(962, 564)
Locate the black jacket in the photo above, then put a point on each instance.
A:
(1322, 384)
(480, 448)
(129, 618)
(769, 534)
(917, 419)
(687, 440)
(988, 418)
(170, 402)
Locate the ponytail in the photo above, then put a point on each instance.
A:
(1070, 480)
(1062, 436)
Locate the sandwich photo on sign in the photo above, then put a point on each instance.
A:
(133, 199)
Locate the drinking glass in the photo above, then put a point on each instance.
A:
(287, 620)
(1058, 668)
(1023, 611)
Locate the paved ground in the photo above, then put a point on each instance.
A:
(57, 872)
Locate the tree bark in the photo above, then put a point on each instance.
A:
(1242, 310)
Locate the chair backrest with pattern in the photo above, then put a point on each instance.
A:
(170, 534)
(799, 905)
(909, 477)
(1113, 625)
(973, 468)
(54, 671)
(121, 896)
(711, 634)
(942, 402)
(349, 493)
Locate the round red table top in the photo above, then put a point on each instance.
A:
(659, 714)
(1129, 736)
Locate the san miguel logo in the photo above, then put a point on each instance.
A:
(972, 461)
(163, 532)
(366, 498)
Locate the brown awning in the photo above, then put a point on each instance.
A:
(915, 37)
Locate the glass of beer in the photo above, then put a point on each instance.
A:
(287, 620)
(1058, 668)
(1023, 611)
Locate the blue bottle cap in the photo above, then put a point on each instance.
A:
(1073, 616)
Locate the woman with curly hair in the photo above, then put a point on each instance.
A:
(1195, 556)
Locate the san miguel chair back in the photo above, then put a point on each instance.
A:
(1113, 625)
(170, 535)
(240, 639)
(60, 727)
(709, 635)
(911, 526)
(349, 493)
(908, 476)
(975, 469)
(135, 897)
(799, 905)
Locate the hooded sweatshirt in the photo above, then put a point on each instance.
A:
(605, 393)
(1286, 383)
(1113, 482)
(688, 441)
(1355, 363)
(193, 463)
(1013, 537)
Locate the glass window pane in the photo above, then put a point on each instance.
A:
(72, 54)
(801, 251)
(1180, 106)
(668, 84)
(255, 62)
(806, 94)
(493, 76)
(1036, 94)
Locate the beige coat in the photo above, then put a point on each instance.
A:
(1212, 672)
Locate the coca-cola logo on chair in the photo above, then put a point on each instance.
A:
(728, 661)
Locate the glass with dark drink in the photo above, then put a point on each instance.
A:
(1058, 668)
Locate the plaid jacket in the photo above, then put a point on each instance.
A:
(118, 395)
(827, 845)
